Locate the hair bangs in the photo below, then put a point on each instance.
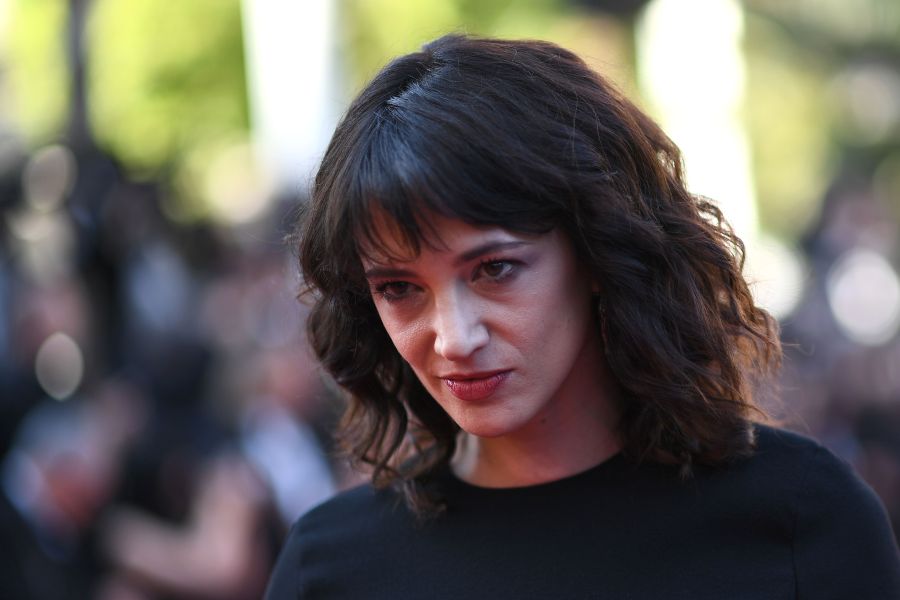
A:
(414, 170)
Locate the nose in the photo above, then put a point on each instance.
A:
(459, 327)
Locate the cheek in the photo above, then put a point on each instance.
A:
(409, 338)
(558, 316)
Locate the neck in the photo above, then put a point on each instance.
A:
(486, 464)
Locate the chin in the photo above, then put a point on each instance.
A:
(485, 432)
(486, 428)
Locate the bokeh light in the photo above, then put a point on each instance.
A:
(868, 97)
(59, 365)
(49, 176)
(864, 295)
(776, 275)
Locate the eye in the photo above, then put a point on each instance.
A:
(497, 269)
(392, 291)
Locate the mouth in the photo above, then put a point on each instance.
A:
(474, 386)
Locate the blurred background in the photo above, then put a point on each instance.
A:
(161, 421)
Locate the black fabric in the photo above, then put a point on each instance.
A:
(791, 522)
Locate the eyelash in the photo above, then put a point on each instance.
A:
(509, 268)
(383, 290)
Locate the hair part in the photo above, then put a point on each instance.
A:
(524, 136)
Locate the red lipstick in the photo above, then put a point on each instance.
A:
(476, 386)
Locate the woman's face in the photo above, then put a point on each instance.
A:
(497, 325)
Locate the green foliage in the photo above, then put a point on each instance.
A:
(822, 100)
(165, 79)
(36, 70)
(377, 30)
(790, 128)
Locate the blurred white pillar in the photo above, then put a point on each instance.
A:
(691, 68)
(292, 81)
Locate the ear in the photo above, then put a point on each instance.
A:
(595, 287)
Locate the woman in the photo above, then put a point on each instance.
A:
(550, 356)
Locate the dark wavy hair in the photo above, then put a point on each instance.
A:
(523, 135)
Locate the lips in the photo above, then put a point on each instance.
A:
(476, 386)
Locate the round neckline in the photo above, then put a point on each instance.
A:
(536, 488)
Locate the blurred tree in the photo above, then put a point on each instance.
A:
(823, 97)
(36, 68)
(165, 79)
(377, 30)
(163, 83)
(787, 120)
(374, 31)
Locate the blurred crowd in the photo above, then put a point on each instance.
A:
(841, 376)
(162, 423)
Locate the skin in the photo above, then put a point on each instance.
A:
(509, 316)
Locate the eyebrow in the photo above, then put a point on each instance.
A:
(385, 272)
(486, 248)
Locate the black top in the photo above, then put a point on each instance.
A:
(793, 521)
